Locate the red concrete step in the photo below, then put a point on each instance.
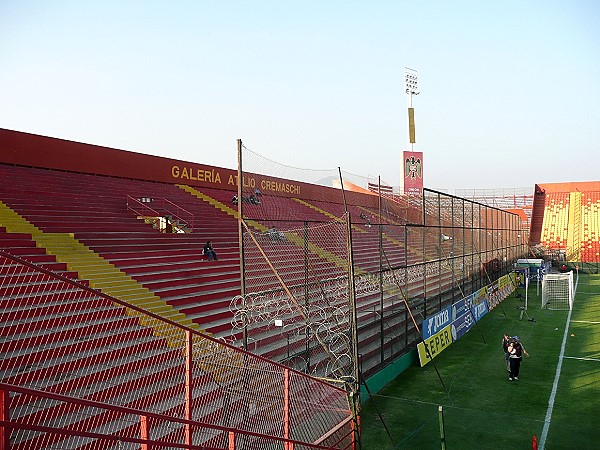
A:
(76, 310)
(41, 299)
(51, 353)
(105, 354)
(180, 300)
(206, 280)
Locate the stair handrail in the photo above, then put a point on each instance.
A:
(139, 204)
(178, 216)
(143, 209)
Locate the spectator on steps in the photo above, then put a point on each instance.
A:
(254, 200)
(276, 235)
(364, 217)
(209, 251)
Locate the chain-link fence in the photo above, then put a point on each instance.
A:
(339, 278)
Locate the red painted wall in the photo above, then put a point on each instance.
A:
(40, 151)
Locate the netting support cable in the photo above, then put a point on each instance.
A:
(455, 279)
(403, 295)
(489, 279)
(372, 398)
(286, 289)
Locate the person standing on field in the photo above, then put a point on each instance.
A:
(515, 350)
(505, 343)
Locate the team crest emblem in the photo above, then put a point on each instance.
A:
(413, 168)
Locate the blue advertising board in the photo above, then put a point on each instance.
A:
(461, 325)
(480, 310)
(461, 307)
(466, 312)
(437, 322)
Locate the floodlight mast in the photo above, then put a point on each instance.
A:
(411, 88)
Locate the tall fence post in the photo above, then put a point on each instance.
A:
(286, 409)
(144, 432)
(442, 431)
(240, 183)
(4, 416)
(231, 440)
(306, 294)
(188, 386)
(381, 295)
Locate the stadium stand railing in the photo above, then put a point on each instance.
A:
(83, 370)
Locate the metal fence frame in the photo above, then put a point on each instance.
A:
(200, 355)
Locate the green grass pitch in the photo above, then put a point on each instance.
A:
(482, 409)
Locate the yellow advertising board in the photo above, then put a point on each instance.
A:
(505, 280)
(435, 344)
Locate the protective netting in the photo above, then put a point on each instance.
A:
(412, 255)
(297, 294)
(254, 163)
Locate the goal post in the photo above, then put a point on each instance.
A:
(558, 291)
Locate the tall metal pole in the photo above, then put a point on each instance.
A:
(411, 88)
(381, 294)
(379, 197)
(343, 191)
(189, 387)
(241, 243)
(353, 318)
(306, 295)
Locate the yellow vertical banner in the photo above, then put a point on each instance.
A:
(411, 125)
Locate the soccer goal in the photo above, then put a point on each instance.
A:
(558, 291)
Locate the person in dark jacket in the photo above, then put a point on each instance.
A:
(505, 342)
(516, 351)
(209, 251)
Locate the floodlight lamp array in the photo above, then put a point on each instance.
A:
(410, 81)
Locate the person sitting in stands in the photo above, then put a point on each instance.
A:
(254, 200)
(366, 219)
(209, 251)
(276, 235)
(257, 192)
(234, 200)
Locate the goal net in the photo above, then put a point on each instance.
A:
(558, 291)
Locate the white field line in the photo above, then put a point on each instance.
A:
(582, 359)
(556, 377)
(555, 385)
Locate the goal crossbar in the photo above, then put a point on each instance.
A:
(558, 291)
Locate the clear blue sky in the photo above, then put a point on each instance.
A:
(510, 91)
